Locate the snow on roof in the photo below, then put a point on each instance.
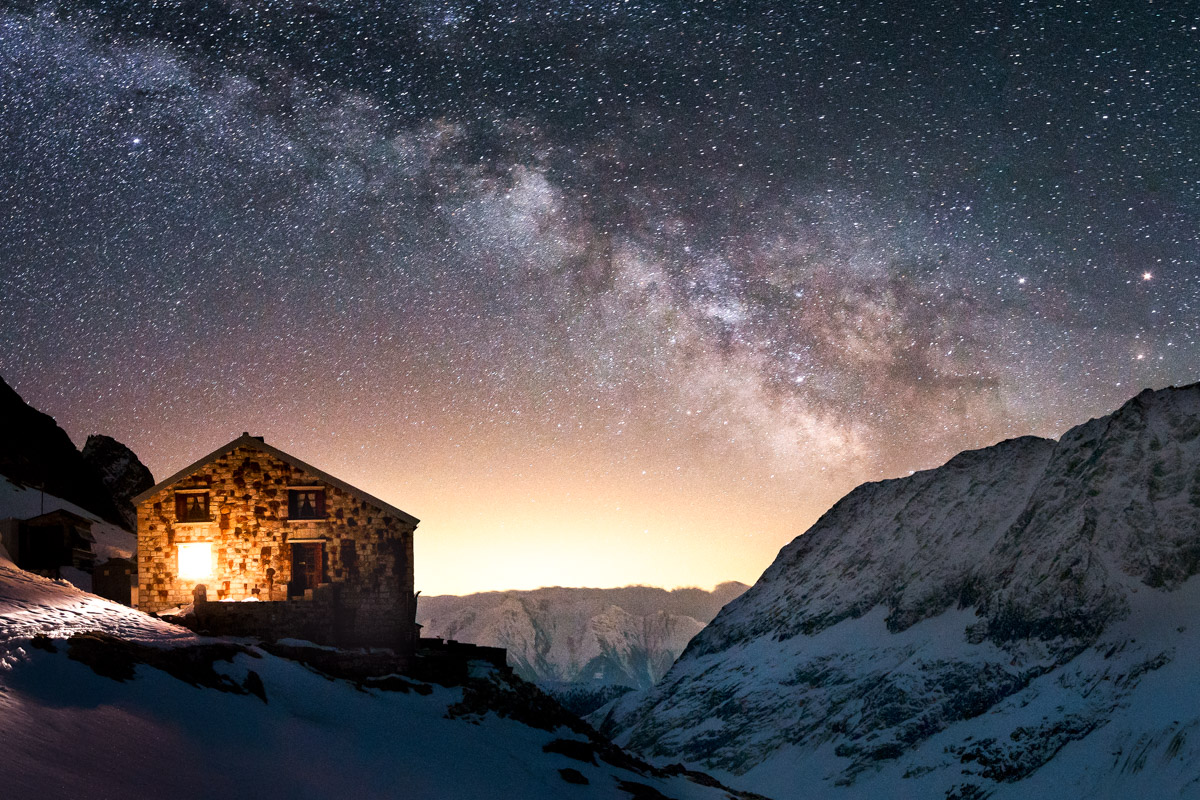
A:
(20, 502)
(61, 513)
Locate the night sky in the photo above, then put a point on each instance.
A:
(604, 292)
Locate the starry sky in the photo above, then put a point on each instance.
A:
(604, 292)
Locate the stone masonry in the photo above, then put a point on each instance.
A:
(366, 597)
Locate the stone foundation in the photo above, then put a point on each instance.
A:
(321, 619)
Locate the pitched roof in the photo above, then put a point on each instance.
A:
(61, 513)
(254, 442)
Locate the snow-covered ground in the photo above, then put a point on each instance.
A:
(70, 732)
(31, 604)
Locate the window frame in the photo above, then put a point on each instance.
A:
(319, 506)
(181, 503)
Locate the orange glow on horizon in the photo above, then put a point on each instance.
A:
(596, 504)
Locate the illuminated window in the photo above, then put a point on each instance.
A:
(191, 507)
(195, 561)
(306, 504)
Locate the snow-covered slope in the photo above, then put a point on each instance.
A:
(1023, 616)
(628, 636)
(98, 700)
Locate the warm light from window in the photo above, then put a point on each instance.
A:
(195, 561)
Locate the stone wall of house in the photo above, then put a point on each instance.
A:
(312, 620)
(368, 552)
(325, 617)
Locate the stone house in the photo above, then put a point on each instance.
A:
(263, 544)
(113, 580)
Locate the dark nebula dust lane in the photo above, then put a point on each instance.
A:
(604, 292)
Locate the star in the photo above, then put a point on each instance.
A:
(432, 243)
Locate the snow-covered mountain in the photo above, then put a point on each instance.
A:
(99, 700)
(1020, 622)
(623, 637)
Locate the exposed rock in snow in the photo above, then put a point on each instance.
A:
(625, 637)
(122, 474)
(1023, 616)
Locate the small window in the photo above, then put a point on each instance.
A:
(306, 503)
(191, 507)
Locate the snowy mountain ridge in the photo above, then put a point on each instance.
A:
(965, 631)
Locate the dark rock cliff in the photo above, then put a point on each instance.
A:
(122, 474)
(35, 452)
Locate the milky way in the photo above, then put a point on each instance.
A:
(604, 292)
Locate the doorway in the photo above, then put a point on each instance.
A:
(307, 567)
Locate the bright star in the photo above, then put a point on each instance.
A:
(1146, 276)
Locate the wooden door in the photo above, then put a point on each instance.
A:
(307, 567)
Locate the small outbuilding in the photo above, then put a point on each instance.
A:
(114, 579)
(48, 542)
(260, 543)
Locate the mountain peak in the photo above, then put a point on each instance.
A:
(915, 605)
(36, 452)
(120, 471)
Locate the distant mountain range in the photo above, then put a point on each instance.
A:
(1020, 622)
(600, 637)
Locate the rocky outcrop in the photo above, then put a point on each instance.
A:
(1022, 611)
(121, 473)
